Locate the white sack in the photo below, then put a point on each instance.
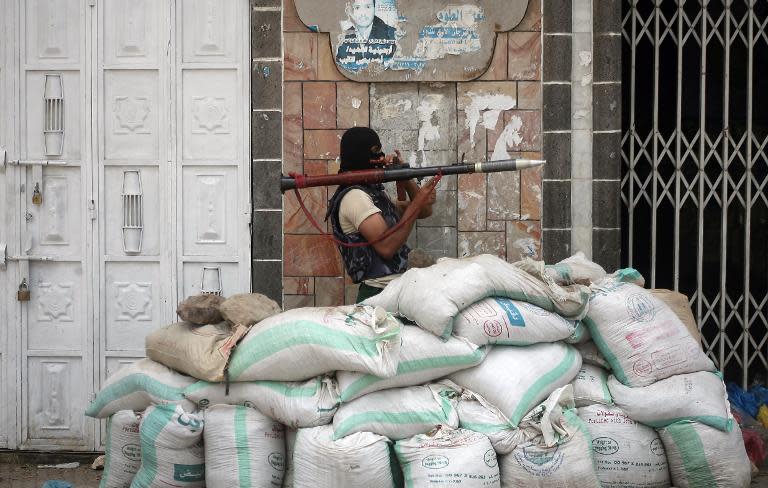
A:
(171, 449)
(516, 379)
(555, 449)
(591, 355)
(694, 396)
(296, 404)
(590, 386)
(576, 269)
(306, 342)
(504, 321)
(290, 444)
(433, 296)
(139, 385)
(641, 337)
(359, 460)
(398, 413)
(700, 456)
(423, 358)
(243, 448)
(448, 457)
(123, 452)
(627, 454)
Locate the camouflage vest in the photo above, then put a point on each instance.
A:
(364, 263)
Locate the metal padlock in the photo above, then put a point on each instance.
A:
(23, 295)
(37, 197)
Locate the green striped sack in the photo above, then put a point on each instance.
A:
(243, 448)
(423, 357)
(448, 457)
(139, 385)
(695, 396)
(516, 379)
(503, 321)
(642, 339)
(171, 449)
(307, 342)
(296, 404)
(700, 456)
(398, 413)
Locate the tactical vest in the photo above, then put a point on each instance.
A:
(364, 263)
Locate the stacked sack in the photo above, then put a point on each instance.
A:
(660, 379)
(472, 372)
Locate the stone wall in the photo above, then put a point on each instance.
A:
(499, 115)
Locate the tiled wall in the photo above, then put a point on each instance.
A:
(498, 213)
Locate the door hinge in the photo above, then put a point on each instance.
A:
(91, 3)
(92, 209)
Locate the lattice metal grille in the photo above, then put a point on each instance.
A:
(695, 152)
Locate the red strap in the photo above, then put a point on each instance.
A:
(314, 223)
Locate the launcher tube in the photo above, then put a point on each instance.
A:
(404, 172)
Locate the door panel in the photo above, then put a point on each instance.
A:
(132, 112)
(53, 31)
(213, 202)
(210, 211)
(135, 205)
(54, 413)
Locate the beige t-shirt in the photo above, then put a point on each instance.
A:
(356, 206)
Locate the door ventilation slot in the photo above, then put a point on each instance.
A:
(53, 131)
(133, 212)
(210, 282)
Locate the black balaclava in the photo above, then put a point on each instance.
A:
(358, 146)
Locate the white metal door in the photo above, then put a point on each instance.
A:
(173, 175)
(140, 108)
(55, 238)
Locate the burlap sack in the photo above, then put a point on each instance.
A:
(248, 308)
(201, 309)
(679, 304)
(199, 351)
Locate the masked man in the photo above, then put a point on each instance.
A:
(362, 213)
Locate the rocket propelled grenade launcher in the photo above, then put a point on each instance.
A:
(400, 172)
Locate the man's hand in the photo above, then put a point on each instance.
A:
(372, 227)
